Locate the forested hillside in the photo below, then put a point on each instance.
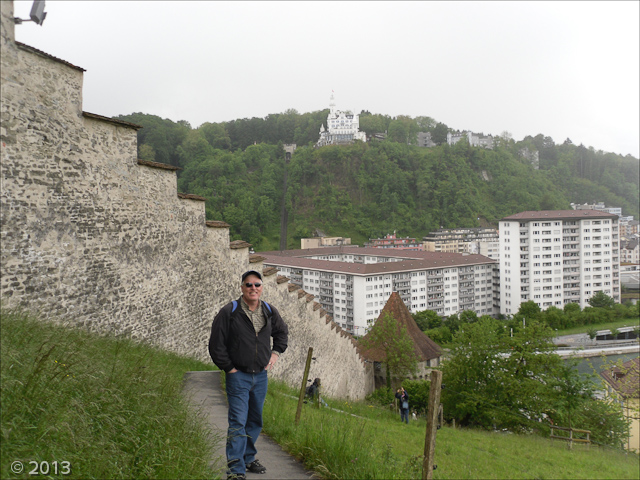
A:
(369, 189)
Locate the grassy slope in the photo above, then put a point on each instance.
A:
(627, 322)
(380, 447)
(111, 407)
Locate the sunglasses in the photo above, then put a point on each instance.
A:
(249, 285)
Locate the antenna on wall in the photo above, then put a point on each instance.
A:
(37, 14)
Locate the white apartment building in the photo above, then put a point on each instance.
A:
(483, 241)
(556, 257)
(342, 127)
(353, 284)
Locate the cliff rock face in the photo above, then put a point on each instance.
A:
(92, 235)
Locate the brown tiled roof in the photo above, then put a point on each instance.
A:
(115, 121)
(625, 380)
(190, 196)
(46, 55)
(280, 278)
(414, 260)
(165, 166)
(425, 348)
(559, 215)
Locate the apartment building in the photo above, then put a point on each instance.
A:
(354, 284)
(482, 241)
(556, 257)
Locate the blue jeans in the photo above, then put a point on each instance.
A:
(404, 415)
(245, 393)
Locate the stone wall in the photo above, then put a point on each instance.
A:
(91, 235)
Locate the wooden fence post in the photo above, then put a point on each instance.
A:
(304, 385)
(432, 425)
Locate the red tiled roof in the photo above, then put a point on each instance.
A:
(425, 348)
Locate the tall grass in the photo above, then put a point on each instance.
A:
(112, 408)
(367, 442)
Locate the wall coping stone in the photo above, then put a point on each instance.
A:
(316, 306)
(217, 224)
(293, 287)
(256, 259)
(47, 55)
(165, 166)
(190, 196)
(271, 271)
(310, 297)
(237, 244)
(121, 123)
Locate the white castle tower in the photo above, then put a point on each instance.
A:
(342, 127)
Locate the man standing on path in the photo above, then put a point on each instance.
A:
(240, 345)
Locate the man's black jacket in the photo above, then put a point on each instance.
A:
(234, 342)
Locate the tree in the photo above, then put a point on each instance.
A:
(492, 378)
(427, 319)
(393, 342)
(439, 135)
(602, 300)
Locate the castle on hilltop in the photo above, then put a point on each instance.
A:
(342, 127)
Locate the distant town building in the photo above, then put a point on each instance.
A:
(623, 386)
(555, 257)
(342, 127)
(598, 206)
(475, 140)
(628, 228)
(353, 284)
(483, 241)
(424, 140)
(317, 242)
(630, 276)
(629, 250)
(391, 241)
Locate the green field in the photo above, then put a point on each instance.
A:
(367, 442)
(113, 408)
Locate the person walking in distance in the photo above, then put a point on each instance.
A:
(241, 346)
(403, 397)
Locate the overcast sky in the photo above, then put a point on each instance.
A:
(564, 69)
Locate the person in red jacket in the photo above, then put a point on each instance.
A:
(241, 345)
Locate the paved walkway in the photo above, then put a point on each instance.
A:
(204, 391)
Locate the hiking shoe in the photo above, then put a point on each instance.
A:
(236, 476)
(256, 467)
